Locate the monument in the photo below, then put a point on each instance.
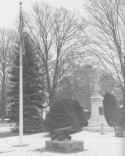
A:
(97, 120)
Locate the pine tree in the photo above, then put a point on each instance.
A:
(33, 86)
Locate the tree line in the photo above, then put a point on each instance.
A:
(55, 41)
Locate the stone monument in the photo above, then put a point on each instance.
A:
(96, 104)
(97, 120)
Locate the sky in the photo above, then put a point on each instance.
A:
(9, 9)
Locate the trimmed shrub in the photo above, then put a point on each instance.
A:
(64, 113)
(112, 112)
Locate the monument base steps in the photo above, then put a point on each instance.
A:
(65, 146)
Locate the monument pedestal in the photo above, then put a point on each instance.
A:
(97, 121)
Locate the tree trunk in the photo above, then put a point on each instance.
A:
(51, 97)
(124, 84)
(3, 94)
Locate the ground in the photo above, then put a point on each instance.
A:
(95, 145)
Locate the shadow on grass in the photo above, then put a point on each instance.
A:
(39, 150)
(8, 134)
(3, 152)
(12, 134)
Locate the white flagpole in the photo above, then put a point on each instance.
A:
(21, 78)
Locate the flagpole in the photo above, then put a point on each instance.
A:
(21, 79)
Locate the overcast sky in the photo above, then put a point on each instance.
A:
(9, 9)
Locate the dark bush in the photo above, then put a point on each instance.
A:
(64, 113)
(109, 104)
(112, 112)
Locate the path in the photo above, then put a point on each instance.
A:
(95, 145)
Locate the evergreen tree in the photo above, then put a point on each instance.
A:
(66, 113)
(33, 85)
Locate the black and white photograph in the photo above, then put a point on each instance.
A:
(62, 77)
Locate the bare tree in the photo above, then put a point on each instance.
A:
(108, 41)
(56, 34)
(6, 44)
